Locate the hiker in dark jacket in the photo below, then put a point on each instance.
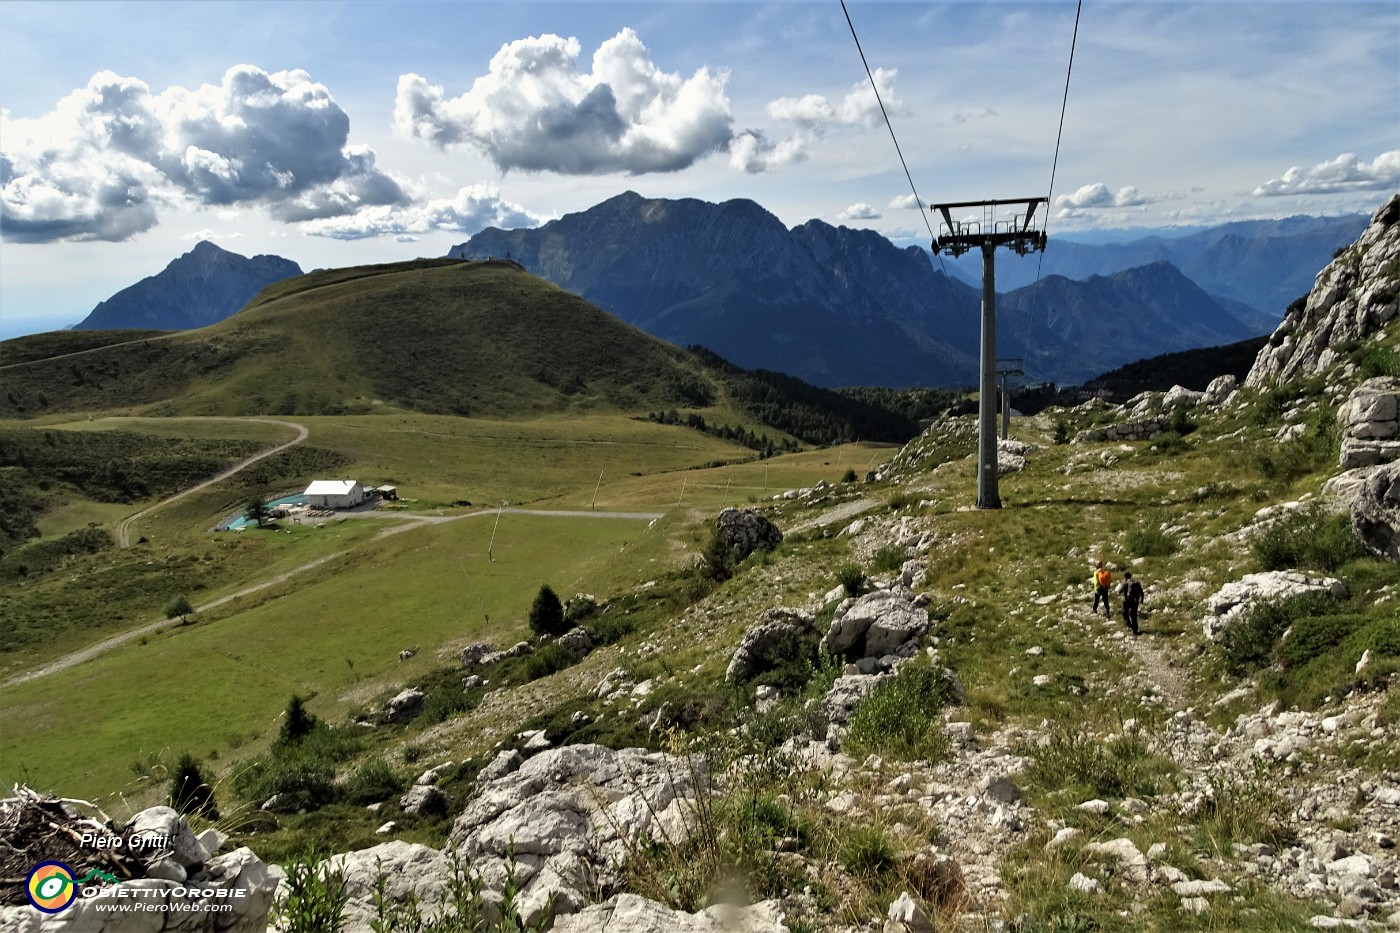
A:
(1131, 591)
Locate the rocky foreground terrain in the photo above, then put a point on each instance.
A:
(1208, 774)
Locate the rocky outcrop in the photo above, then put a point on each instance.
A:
(1370, 423)
(405, 707)
(744, 531)
(1011, 455)
(1351, 300)
(766, 643)
(410, 872)
(578, 640)
(1219, 390)
(1375, 511)
(628, 913)
(1234, 600)
(1144, 429)
(571, 816)
(876, 625)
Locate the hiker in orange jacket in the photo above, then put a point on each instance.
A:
(1103, 579)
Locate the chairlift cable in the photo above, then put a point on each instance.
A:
(1055, 163)
(917, 200)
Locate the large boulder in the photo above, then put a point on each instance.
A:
(885, 622)
(1370, 422)
(572, 816)
(1375, 511)
(406, 706)
(1233, 601)
(410, 871)
(767, 642)
(744, 531)
(1219, 390)
(1181, 397)
(629, 913)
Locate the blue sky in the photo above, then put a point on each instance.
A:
(337, 133)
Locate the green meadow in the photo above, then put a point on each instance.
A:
(333, 635)
(334, 632)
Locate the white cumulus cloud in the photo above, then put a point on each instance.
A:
(859, 106)
(1344, 173)
(472, 210)
(537, 109)
(753, 152)
(109, 155)
(903, 203)
(859, 211)
(1098, 196)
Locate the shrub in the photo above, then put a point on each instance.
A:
(1246, 807)
(1378, 361)
(1061, 430)
(1120, 767)
(718, 558)
(1170, 442)
(1181, 422)
(1149, 540)
(315, 899)
(889, 558)
(445, 703)
(373, 781)
(190, 793)
(849, 476)
(1307, 538)
(1249, 643)
(901, 717)
(180, 608)
(548, 660)
(547, 613)
(302, 782)
(866, 852)
(1313, 636)
(852, 578)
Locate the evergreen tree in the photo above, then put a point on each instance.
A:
(190, 792)
(297, 724)
(547, 613)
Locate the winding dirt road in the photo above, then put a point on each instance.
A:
(124, 529)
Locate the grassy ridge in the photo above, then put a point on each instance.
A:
(439, 336)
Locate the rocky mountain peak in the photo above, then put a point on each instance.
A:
(199, 288)
(1353, 298)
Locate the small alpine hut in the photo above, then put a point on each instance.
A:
(334, 494)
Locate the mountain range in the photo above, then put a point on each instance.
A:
(837, 306)
(1264, 264)
(202, 287)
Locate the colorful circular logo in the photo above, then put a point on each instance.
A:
(50, 887)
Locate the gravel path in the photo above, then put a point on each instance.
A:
(124, 529)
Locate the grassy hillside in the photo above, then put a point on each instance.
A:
(477, 339)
